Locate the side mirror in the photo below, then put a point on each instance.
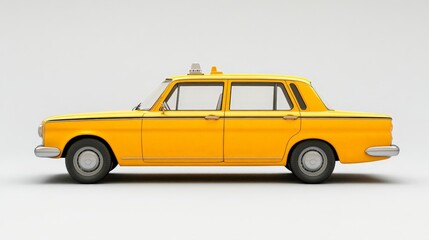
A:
(164, 107)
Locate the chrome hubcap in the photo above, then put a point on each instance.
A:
(312, 161)
(88, 161)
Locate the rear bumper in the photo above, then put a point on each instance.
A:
(46, 152)
(383, 151)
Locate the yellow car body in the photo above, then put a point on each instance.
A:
(223, 137)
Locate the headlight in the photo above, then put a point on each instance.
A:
(40, 130)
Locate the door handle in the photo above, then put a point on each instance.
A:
(290, 117)
(211, 117)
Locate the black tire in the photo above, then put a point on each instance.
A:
(312, 161)
(113, 165)
(88, 161)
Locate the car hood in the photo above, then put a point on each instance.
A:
(97, 115)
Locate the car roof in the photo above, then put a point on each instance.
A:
(239, 77)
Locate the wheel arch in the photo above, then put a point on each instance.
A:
(80, 137)
(312, 139)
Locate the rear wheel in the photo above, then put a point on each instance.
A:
(88, 161)
(312, 161)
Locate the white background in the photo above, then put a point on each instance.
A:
(60, 57)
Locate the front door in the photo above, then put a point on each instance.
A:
(188, 127)
(259, 122)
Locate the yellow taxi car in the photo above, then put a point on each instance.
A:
(220, 120)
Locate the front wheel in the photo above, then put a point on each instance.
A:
(88, 161)
(312, 161)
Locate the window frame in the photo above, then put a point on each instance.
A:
(262, 83)
(195, 83)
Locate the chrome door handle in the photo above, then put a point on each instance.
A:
(211, 117)
(290, 117)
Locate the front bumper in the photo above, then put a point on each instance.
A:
(383, 151)
(46, 152)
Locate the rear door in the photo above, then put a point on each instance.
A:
(259, 121)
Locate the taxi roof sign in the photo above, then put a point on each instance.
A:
(195, 69)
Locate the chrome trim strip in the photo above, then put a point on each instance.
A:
(46, 152)
(383, 151)
(196, 158)
(246, 158)
(179, 158)
(132, 158)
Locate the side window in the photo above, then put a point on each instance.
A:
(195, 96)
(259, 96)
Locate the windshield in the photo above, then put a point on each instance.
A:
(151, 99)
